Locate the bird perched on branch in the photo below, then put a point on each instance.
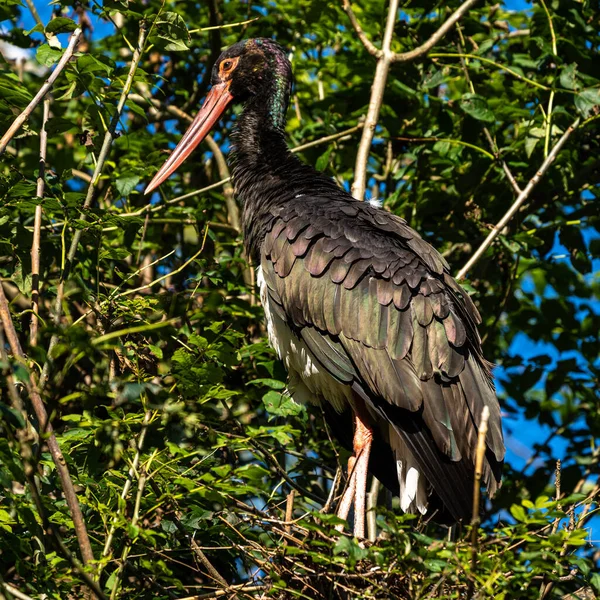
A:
(363, 312)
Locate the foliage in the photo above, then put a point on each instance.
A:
(167, 402)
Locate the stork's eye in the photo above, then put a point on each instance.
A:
(228, 66)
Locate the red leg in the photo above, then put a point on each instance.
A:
(348, 497)
(363, 438)
(358, 465)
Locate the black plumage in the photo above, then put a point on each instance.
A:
(360, 297)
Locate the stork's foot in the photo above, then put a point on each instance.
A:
(356, 491)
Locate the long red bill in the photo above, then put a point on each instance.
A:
(217, 100)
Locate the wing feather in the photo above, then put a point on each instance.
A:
(386, 318)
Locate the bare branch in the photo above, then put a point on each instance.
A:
(436, 37)
(37, 229)
(371, 509)
(518, 202)
(14, 592)
(370, 47)
(377, 89)
(475, 518)
(509, 176)
(42, 91)
(328, 138)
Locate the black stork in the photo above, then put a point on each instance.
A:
(363, 312)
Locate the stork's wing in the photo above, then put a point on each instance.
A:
(376, 306)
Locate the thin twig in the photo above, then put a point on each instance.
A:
(551, 98)
(37, 229)
(371, 512)
(518, 202)
(34, 13)
(557, 477)
(366, 42)
(494, 64)
(328, 138)
(198, 551)
(226, 26)
(14, 592)
(475, 518)
(42, 91)
(449, 141)
(208, 565)
(436, 37)
(375, 101)
(244, 587)
(289, 510)
(102, 156)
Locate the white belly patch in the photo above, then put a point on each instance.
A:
(308, 380)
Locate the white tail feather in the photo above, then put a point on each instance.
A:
(413, 487)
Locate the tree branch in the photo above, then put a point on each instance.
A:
(475, 517)
(369, 46)
(37, 229)
(42, 91)
(436, 37)
(377, 89)
(518, 202)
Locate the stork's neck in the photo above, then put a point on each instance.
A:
(265, 173)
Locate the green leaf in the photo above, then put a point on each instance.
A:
(47, 56)
(156, 350)
(477, 107)
(89, 63)
(518, 512)
(61, 25)
(587, 100)
(434, 79)
(595, 581)
(171, 33)
(272, 383)
(12, 416)
(126, 184)
(442, 148)
(114, 253)
(13, 92)
(57, 125)
(39, 28)
(568, 76)
(281, 405)
(323, 160)
(530, 144)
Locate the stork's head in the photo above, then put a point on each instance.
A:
(255, 71)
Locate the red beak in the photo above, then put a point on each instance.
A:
(215, 104)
